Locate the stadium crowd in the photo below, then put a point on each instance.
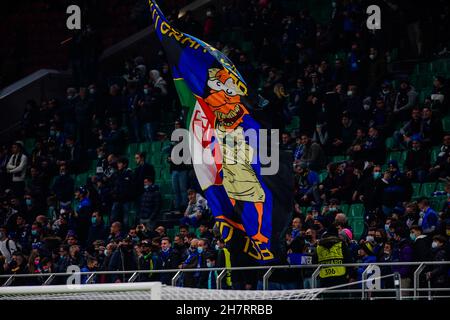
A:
(344, 171)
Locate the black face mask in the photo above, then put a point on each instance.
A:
(308, 238)
(379, 239)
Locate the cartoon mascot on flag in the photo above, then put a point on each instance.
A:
(238, 176)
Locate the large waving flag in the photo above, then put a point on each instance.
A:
(250, 209)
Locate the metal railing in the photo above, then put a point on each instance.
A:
(400, 293)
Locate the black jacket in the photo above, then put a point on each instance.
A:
(123, 260)
(123, 190)
(143, 171)
(97, 232)
(150, 202)
(439, 273)
(421, 249)
(63, 188)
(168, 261)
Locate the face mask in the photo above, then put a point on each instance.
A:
(386, 228)
(366, 107)
(308, 238)
(208, 13)
(28, 202)
(165, 250)
(135, 239)
(349, 93)
(379, 239)
(146, 187)
(145, 91)
(332, 209)
(371, 56)
(387, 253)
(91, 91)
(52, 133)
(370, 239)
(385, 91)
(209, 264)
(94, 220)
(34, 232)
(434, 245)
(200, 249)
(106, 253)
(412, 236)
(217, 247)
(376, 175)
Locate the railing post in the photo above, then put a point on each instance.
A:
(314, 277)
(133, 277)
(49, 280)
(90, 278)
(417, 278)
(9, 281)
(175, 278)
(397, 285)
(266, 278)
(429, 290)
(219, 278)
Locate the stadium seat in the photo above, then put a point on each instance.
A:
(416, 190)
(29, 144)
(323, 175)
(356, 210)
(339, 158)
(171, 233)
(440, 186)
(446, 124)
(131, 150)
(398, 156)
(434, 154)
(167, 202)
(427, 189)
(358, 227)
(344, 208)
(437, 203)
(106, 219)
(389, 143)
(145, 147)
(81, 179)
(166, 188)
(294, 124)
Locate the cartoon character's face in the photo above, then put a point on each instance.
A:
(225, 99)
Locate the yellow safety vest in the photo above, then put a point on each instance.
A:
(227, 265)
(334, 255)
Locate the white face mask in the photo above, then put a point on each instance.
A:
(370, 239)
(366, 107)
(371, 56)
(349, 93)
(434, 245)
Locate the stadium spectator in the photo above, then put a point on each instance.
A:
(17, 168)
(150, 203)
(195, 210)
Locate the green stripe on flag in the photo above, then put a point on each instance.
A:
(187, 99)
